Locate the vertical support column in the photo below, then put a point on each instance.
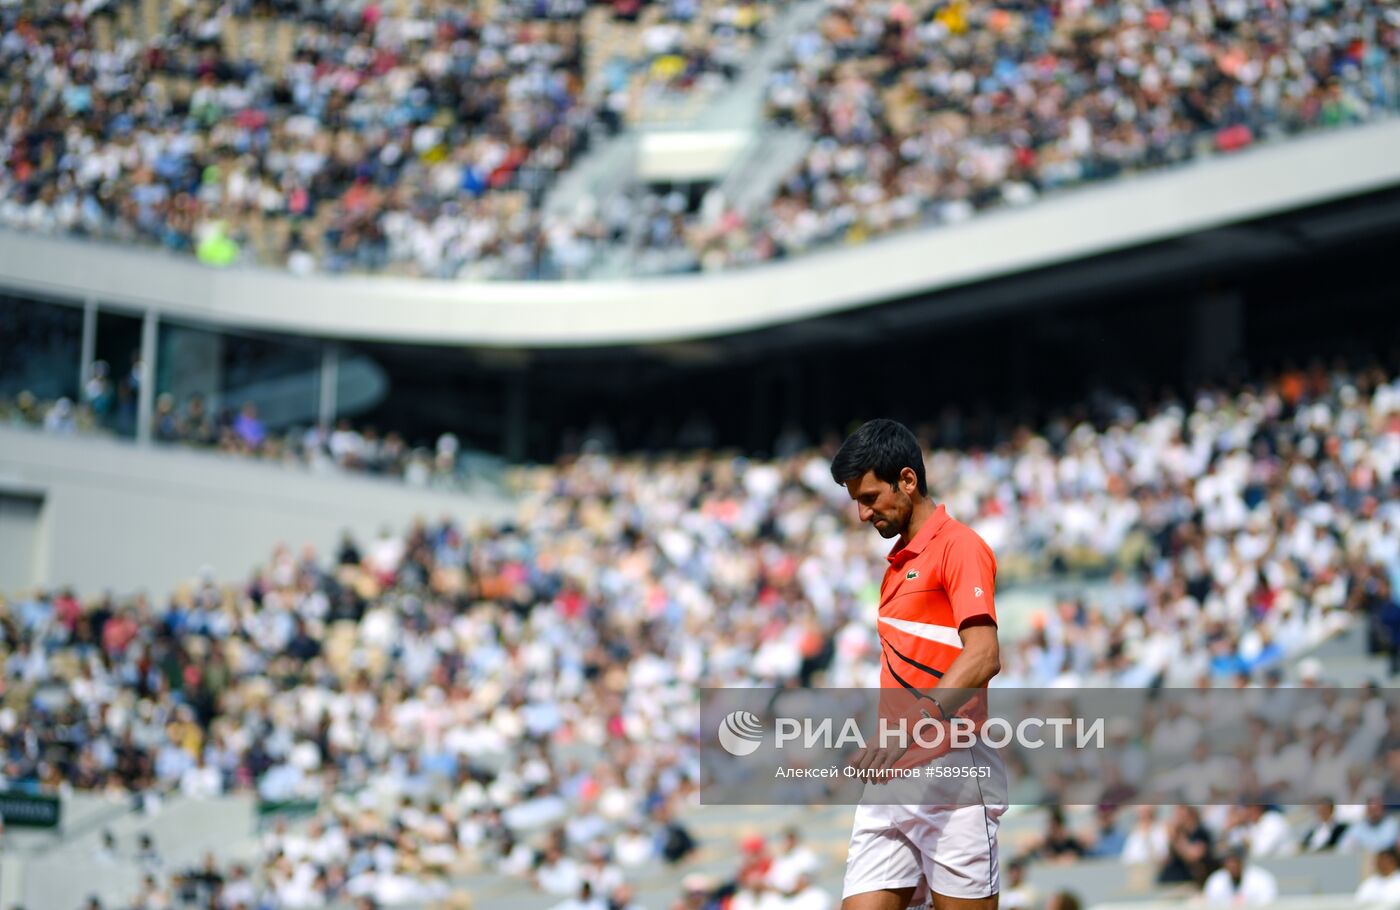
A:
(89, 345)
(517, 414)
(330, 381)
(146, 398)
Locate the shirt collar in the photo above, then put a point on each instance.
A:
(932, 525)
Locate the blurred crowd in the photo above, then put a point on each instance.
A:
(109, 406)
(925, 111)
(1214, 851)
(1250, 519)
(1249, 744)
(419, 138)
(519, 697)
(241, 432)
(410, 137)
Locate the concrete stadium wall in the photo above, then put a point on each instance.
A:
(1079, 223)
(116, 516)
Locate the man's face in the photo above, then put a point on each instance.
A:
(886, 507)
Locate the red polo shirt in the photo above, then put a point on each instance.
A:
(935, 582)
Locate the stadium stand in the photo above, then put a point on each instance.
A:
(506, 715)
(925, 112)
(363, 136)
(241, 432)
(347, 140)
(296, 130)
(213, 417)
(495, 708)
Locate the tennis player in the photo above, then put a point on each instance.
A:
(938, 638)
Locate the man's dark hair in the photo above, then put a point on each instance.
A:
(883, 446)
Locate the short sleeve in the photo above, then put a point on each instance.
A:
(969, 577)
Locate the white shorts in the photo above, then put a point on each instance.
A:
(949, 850)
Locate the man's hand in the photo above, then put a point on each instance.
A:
(870, 760)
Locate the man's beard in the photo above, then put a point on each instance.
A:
(889, 529)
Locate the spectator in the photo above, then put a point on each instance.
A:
(155, 896)
(1327, 832)
(755, 861)
(167, 422)
(1384, 612)
(60, 419)
(1239, 884)
(1109, 839)
(586, 900)
(1268, 833)
(621, 899)
(1015, 893)
(698, 892)
(97, 391)
(202, 884)
(146, 854)
(106, 853)
(1189, 846)
(633, 847)
(1147, 840)
(1382, 885)
(200, 780)
(1059, 845)
(249, 429)
(557, 873)
(676, 840)
(791, 861)
(602, 875)
(754, 892)
(1376, 831)
(802, 894)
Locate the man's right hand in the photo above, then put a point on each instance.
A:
(869, 760)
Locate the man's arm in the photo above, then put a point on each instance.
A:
(969, 572)
(979, 661)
